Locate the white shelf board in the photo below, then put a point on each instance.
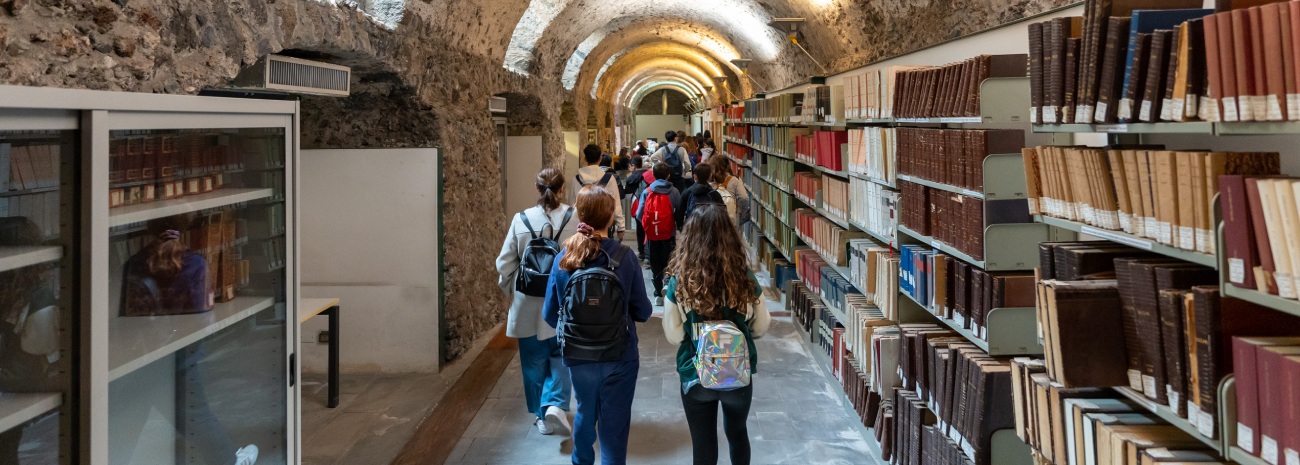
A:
(941, 247)
(1244, 458)
(872, 180)
(138, 341)
(1130, 240)
(942, 186)
(218, 198)
(19, 408)
(12, 258)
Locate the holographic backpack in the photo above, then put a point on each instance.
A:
(722, 356)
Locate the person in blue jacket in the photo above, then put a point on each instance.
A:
(603, 390)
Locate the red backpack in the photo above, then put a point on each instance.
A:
(657, 217)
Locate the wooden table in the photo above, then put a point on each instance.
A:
(329, 307)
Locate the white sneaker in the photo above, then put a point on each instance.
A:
(659, 301)
(544, 428)
(246, 455)
(558, 421)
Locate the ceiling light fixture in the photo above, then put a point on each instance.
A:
(722, 81)
(793, 29)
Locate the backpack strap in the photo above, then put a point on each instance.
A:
(578, 178)
(604, 180)
(528, 225)
(567, 216)
(614, 260)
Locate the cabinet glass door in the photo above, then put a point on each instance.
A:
(197, 292)
(35, 348)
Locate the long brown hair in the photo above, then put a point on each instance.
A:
(550, 184)
(710, 265)
(595, 214)
(167, 253)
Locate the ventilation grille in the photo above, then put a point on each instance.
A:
(295, 75)
(497, 105)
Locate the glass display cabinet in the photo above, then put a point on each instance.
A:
(156, 237)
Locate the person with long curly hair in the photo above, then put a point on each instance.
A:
(710, 280)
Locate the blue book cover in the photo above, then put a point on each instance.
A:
(1145, 21)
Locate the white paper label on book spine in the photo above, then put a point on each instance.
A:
(1149, 387)
(1236, 270)
(1230, 109)
(1099, 115)
(1258, 108)
(1193, 105)
(1274, 108)
(1292, 456)
(1067, 115)
(1125, 109)
(1209, 110)
(1167, 109)
(1245, 438)
(1049, 114)
(1285, 287)
(1081, 113)
(1177, 110)
(1186, 238)
(1033, 206)
(1135, 380)
(1174, 398)
(1205, 424)
(1293, 106)
(1144, 113)
(1205, 241)
(1033, 115)
(1268, 450)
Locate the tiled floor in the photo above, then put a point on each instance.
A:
(797, 415)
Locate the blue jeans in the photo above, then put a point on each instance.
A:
(604, 392)
(546, 381)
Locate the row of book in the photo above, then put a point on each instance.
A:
(824, 236)
(737, 131)
(1260, 217)
(771, 196)
(740, 152)
(864, 266)
(872, 153)
(869, 95)
(1267, 371)
(779, 171)
(777, 109)
(821, 104)
(953, 219)
(776, 231)
(29, 166)
(1169, 315)
(41, 208)
(1066, 425)
(219, 237)
(1163, 195)
(816, 273)
(822, 148)
(776, 140)
(807, 310)
(808, 186)
(953, 398)
(733, 113)
(953, 156)
(874, 208)
(956, 291)
(951, 90)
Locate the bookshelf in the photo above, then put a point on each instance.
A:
(1010, 331)
(1250, 128)
(1006, 246)
(132, 153)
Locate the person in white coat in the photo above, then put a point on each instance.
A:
(547, 387)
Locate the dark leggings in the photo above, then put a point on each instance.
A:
(660, 253)
(701, 407)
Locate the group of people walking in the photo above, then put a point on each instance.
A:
(579, 294)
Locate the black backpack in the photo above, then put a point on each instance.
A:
(538, 258)
(673, 160)
(593, 315)
(697, 198)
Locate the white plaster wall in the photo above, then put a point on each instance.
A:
(654, 126)
(523, 161)
(380, 257)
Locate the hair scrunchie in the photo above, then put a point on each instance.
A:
(170, 235)
(586, 229)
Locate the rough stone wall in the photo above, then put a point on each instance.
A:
(380, 113)
(653, 104)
